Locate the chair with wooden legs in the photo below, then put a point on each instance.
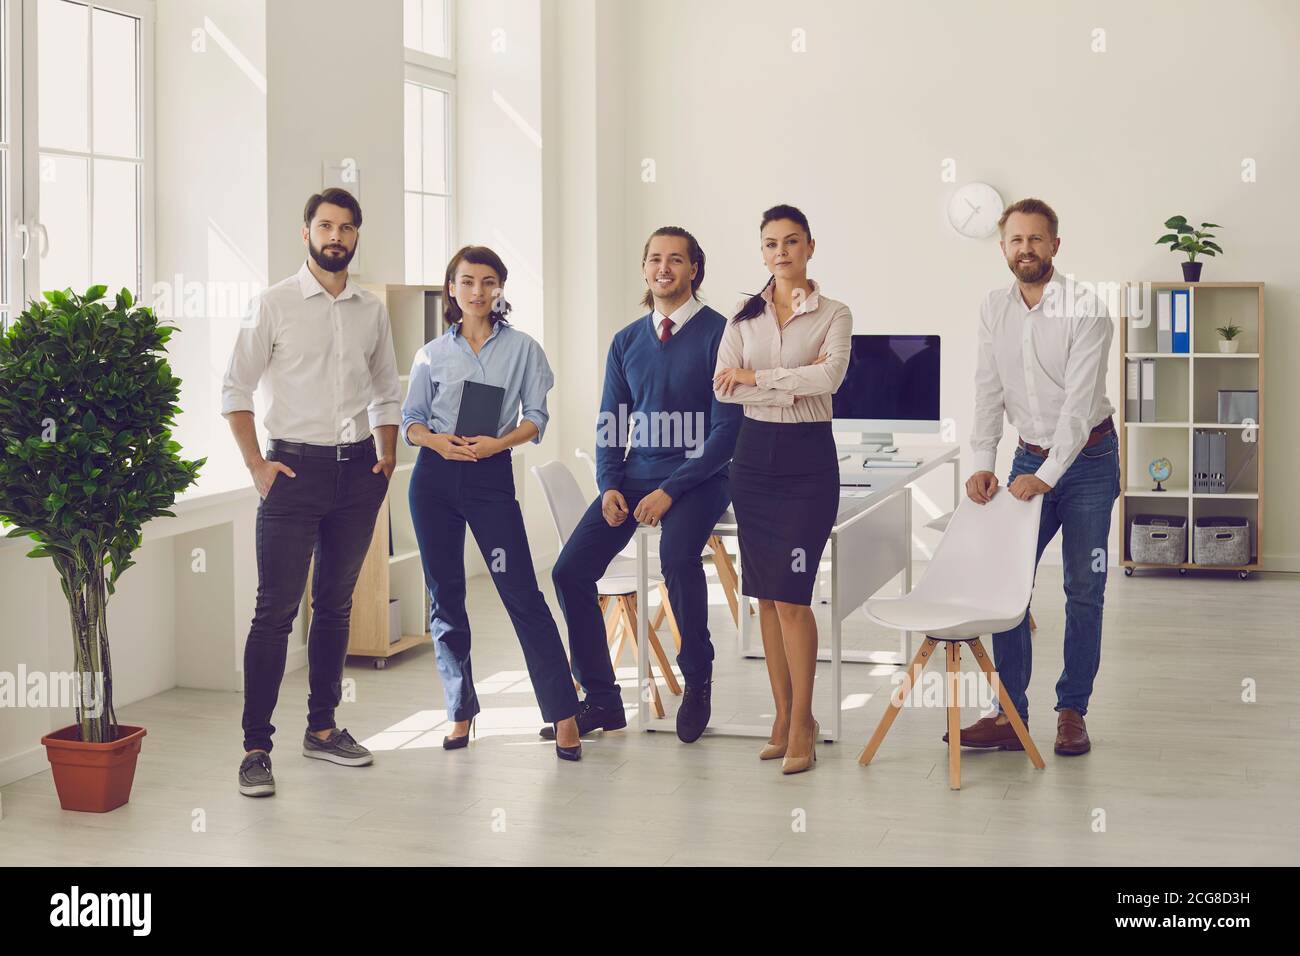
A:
(978, 582)
(617, 589)
(617, 597)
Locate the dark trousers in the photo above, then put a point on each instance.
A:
(593, 544)
(327, 511)
(445, 496)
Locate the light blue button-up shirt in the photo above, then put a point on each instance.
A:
(509, 358)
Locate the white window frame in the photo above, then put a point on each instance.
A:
(143, 11)
(438, 64)
(11, 90)
(436, 73)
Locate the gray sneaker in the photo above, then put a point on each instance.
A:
(255, 778)
(339, 748)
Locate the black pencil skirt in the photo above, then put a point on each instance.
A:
(785, 491)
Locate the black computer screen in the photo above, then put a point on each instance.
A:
(891, 377)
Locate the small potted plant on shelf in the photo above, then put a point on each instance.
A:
(1191, 242)
(87, 400)
(1228, 336)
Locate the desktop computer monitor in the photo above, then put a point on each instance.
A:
(892, 385)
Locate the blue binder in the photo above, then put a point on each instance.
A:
(1181, 302)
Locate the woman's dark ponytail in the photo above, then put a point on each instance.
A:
(754, 305)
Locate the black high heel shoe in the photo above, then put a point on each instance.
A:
(455, 743)
(566, 753)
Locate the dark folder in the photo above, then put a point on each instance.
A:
(480, 410)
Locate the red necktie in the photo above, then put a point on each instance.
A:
(666, 330)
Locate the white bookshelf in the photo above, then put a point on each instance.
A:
(1187, 386)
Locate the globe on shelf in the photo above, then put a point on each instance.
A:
(1160, 470)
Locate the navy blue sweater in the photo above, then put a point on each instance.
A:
(658, 407)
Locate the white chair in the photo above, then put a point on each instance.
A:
(940, 524)
(978, 582)
(714, 548)
(617, 589)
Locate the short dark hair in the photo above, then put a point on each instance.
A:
(337, 197)
(479, 256)
(693, 252)
(1031, 207)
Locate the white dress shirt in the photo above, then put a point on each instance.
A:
(681, 315)
(1046, 368)
(329, 362)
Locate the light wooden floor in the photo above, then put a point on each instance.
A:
(1182, 771)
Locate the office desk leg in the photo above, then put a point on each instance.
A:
(643, 678)
(746, 627)
(905, 639)
(837, 692)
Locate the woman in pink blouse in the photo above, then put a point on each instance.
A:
(782, 356)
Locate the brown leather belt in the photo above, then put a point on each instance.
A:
(1096, 435)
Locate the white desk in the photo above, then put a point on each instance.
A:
(870, 543)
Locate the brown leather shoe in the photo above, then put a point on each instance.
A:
(1071, 734)
(987, 733)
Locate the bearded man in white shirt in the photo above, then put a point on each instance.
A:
(325, 348)
(1042, 363)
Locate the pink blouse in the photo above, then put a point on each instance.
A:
(789, 387)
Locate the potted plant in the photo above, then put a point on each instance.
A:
(86, 404)
(1228, 337)
(1192, 242)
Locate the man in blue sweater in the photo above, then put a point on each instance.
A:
(663, 446)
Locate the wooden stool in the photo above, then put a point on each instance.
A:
(913, 676)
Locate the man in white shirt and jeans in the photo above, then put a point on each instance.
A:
(325, 348)
(1042, 361)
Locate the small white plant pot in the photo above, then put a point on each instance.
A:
(1228, 345)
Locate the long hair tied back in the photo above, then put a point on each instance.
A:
(755, 304)
(693, 253)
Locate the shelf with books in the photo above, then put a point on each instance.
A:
(1184, 399)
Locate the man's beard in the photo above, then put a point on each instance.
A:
(1033, 272)
(331, 263)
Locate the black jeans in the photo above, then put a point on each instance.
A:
(328, 510)
(586, 556)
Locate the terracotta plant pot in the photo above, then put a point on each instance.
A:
(95, 778)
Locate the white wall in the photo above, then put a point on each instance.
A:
(497, 181)
(854, 131)
(334, 78)
(211, 207)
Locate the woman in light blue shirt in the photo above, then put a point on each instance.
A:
(467, 479)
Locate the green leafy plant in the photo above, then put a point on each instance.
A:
(87, 399)
(1229, 332)
(1192, 242)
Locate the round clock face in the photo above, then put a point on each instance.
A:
(974, 210)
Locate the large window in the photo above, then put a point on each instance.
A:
(428, 101)
(426, 27)
(74, 146)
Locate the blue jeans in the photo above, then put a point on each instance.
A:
(1079, 506)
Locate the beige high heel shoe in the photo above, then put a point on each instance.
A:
(800, 764)
(772, 751)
